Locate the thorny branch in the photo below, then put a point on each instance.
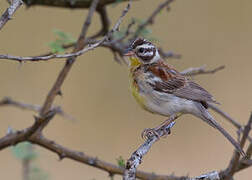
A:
(6, 16)
(34, 135)
(117, 46)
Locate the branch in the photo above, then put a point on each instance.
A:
(49, 57)
(46, 113)
(201, 70)
(168, 54)
(104, 20)
(136, 158)
(234, 163)
(235, 160)
(6, 16)
(68, 3)
(229, 118)
(35, 108)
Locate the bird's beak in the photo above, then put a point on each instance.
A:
(129, 52)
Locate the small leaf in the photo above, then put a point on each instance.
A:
(121, 162)
(61, 40)
(56, 47)
(24, 151)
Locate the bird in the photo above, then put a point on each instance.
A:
(161, 89)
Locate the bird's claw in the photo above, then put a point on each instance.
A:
(149, 132)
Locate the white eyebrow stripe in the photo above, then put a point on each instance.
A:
(146, 46)
(149, 53)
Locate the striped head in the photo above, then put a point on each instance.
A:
(144, 50)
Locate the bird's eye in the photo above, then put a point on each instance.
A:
(141, 50)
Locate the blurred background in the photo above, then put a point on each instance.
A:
(108, 121)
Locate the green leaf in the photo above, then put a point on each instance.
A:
(56, 47)
(62, 39)
(24, 151)
(121, 162)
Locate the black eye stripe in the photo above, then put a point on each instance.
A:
(146, 58)
(146, 50)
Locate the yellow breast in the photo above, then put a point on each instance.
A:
(134, 63)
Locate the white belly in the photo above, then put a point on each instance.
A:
(169, 104)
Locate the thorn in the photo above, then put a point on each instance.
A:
(92, 161)
(9, 130)
(20, 64)
(60, 93)
(62, 156)
(36, 118)
(111, 175)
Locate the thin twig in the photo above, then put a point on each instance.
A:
(104, 20)
(225, 115)
(33, 107)
(6, 16)
(168, 54)
(201, 70)
(48, 57)
(150, 19)
(229, 118)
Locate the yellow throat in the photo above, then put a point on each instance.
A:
(134, 62)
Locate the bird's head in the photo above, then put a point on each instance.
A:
(142, 51)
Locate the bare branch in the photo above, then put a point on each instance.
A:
(49, 57)
(228, 117)
(71, 4)
(234, 163)
(201, 70)
(105, 22)
(235, 160)
(225, 115)
(6, 16)
(34, 107)
(136, 158)
(168, 54)
(8, 101)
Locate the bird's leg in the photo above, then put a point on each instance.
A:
(162, 130)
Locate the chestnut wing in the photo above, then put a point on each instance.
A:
(172, 82)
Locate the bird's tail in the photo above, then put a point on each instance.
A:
(206, 116)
